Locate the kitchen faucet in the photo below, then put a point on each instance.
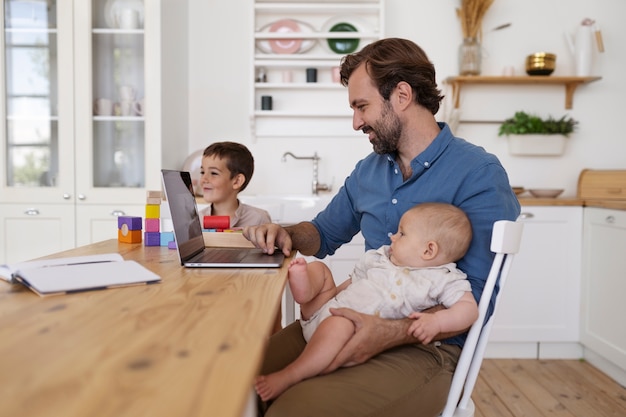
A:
(316, 187)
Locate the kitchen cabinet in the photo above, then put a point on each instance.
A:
(570, 83)
(326, 32)
(80, 118)
(603, 289)
(539, 311)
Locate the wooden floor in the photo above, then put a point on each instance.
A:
(546, 388)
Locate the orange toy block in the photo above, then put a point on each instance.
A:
(128, 236)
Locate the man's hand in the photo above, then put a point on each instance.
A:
(372, 335)
(269, 236)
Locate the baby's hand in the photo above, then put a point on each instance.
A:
(424, 327)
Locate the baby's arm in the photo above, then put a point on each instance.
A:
(458, 317)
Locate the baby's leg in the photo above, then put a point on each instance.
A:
(327, 341)
(311, 284)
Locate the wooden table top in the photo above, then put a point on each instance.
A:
(188, 346)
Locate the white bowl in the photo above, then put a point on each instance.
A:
(546, 192)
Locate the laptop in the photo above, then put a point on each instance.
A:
(188, 232)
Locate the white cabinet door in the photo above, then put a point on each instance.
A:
(32, 231)
(99, 222)
(604, 284)
(540, 302)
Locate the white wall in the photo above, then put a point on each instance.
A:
(220, 49)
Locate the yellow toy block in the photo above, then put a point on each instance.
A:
(153, 211)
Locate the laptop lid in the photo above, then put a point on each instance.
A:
(188, 231)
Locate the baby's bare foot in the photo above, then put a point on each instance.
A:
(299, 280)
(270, 386)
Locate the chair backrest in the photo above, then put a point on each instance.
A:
(505, 243)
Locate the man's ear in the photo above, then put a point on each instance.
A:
(431, 250)
(404, 93)
(238, 181)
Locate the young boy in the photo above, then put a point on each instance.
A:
(415, 272)
(226, 170)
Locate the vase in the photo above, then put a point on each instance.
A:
(536, 145)
(470, 57)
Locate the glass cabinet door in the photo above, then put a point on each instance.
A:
(31, 122)
(110, 125)
(118, 94)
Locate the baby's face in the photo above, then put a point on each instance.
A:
(217, 185)
(407, 244)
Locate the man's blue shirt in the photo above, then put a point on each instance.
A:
(450, 170)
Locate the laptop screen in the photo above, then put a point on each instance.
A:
(182, 203)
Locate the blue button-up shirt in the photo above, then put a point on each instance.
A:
(450, 170)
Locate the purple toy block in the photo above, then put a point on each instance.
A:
(132, 222)
(152, 239)
(172, 245)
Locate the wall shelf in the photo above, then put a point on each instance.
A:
(570, 83)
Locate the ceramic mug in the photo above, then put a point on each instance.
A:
(127, 93)
(127, 108)
(128, 19)
(103, 107)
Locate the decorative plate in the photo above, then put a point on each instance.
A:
(342, 24)
(193, 164)
(286, 46)
(546, 192)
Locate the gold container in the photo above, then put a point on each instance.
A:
(540, 63)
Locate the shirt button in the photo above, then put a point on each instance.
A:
(396, 171)
(426, 164)
(389, 234)
(394, 201)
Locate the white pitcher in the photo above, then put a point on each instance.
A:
(582, 47)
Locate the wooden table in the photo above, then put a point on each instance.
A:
(188, 346)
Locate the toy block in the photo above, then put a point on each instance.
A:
(153, 194)
(131, 222)
(153, 225)
(153, 211)
(152, 239)
(166, 238)
(216, 222)
(171, 245)
(153, 200)
(128, 236)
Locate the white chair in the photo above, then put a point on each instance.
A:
(505, 242)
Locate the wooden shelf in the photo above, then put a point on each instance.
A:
(570, 83)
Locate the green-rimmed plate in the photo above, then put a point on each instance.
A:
(343, 46)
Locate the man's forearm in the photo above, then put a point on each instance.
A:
(305, 238)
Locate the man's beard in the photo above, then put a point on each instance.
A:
(387, 130)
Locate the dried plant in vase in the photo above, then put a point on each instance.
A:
(471, 14)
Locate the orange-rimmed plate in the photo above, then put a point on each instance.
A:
(289, 45)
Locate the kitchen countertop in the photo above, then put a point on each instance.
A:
(573, 201)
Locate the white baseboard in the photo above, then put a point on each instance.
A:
(533, 350)
(606, 366)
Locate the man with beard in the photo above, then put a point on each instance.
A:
(382, 370)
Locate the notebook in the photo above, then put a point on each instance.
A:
(188, 232)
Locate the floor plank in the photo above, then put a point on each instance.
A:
(546, 388)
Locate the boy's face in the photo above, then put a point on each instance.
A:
(217, 184)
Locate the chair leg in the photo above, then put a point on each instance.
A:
(465, 412)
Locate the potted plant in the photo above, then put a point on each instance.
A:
(531, 135)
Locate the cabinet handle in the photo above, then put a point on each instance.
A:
(66, 196)
(524, 216)
(610, 219)
(82, 197)
(118, 213)
(31, 212)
